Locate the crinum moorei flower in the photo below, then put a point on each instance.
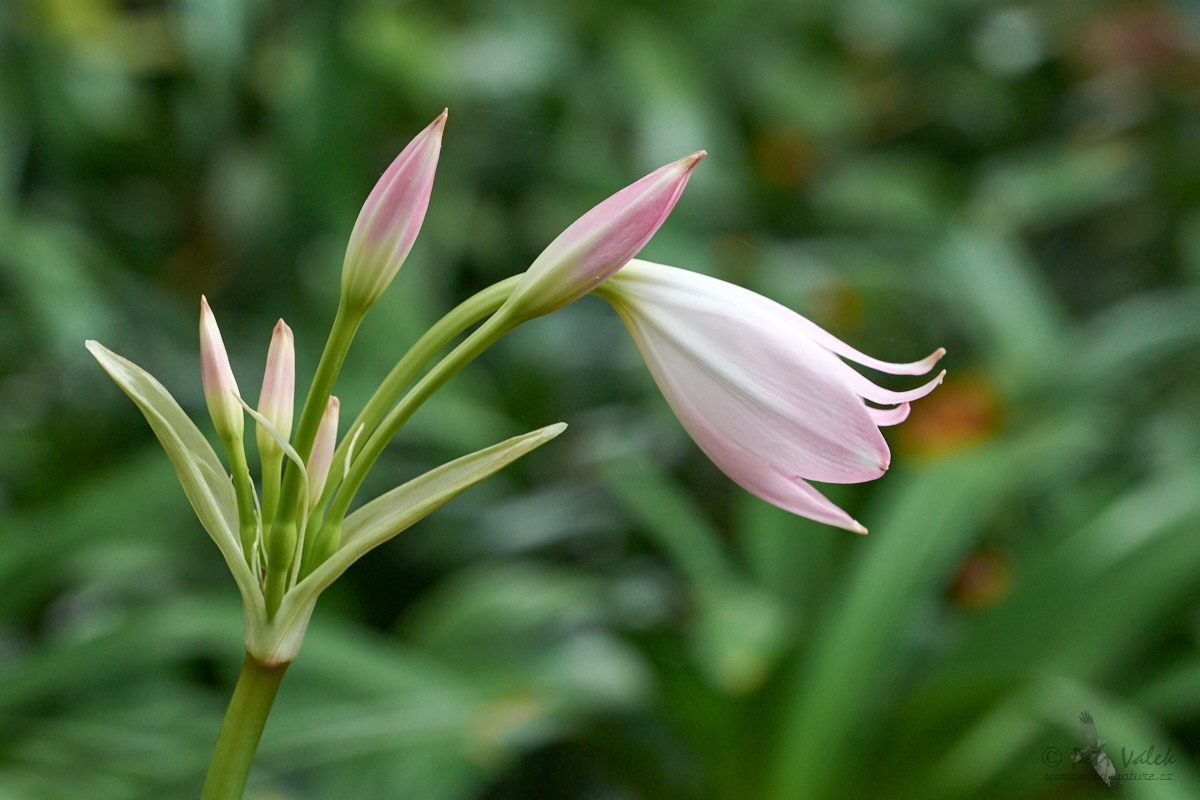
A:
(761, 389)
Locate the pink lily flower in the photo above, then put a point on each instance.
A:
(600, 242)
(761, 389)
(390, 219)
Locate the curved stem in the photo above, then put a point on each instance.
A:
(241, 730)
(243, 489)
(444, 331)
(482, 338)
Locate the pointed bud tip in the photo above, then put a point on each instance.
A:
(689, 162)
(858, 528)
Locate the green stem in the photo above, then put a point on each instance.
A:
(241, 730)
(243, 489)
(482, 338)
(272, 472)
(448, 328)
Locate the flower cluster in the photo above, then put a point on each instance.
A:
(764, 392)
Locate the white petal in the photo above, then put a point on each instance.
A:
(759, 383)
(889, 416)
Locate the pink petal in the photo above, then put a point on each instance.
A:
(764, 481)
(889, 416)
(761, 384)
(836, 345)
(877, 394)
(762, 391)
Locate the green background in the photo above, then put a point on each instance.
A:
(611, 618)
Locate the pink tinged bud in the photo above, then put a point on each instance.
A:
(276, 400)
(760, 388)
(322, 451)
(389, 221)
(601, 241)
(220, 388)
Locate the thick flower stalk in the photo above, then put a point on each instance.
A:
(761, 389)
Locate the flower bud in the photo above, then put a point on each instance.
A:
(322, 451)
(389, 221)
(600, 242)
(220, 388)
(276, 400)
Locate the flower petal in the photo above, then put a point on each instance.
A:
(764, 385)
(762, 390)
(889, 416)
(830, 342)
(760, 479)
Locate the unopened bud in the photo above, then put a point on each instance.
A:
(600, 242)
(220, 388)
(389, 221)
(276, 400)
(322, 451)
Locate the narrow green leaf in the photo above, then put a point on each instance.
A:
(201, 473)
(389, 514)
(932, 518)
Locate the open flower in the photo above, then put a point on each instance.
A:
(760, 388)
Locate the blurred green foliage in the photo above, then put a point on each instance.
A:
(611, 618)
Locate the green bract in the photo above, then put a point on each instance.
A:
(277, 640)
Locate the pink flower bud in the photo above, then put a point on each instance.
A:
(220, 388)
(600, 242)
(322, 451)
(276, 400)
(389, 221)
